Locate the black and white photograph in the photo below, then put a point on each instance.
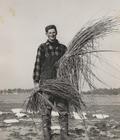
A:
(59, 70)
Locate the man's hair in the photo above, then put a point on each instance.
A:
(50, 27)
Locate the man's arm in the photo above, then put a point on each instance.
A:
(37, 67)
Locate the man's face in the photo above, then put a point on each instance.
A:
(51, 34)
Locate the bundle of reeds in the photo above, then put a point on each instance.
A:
(57, 88)
(75, 66)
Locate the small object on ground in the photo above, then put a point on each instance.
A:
(1, 112)
(94, 131)
(2, 125)
(117, 126)
(21, 115)
(17, 110)
(11, 121)
(103, 133)
(55, 114)
(76, 116)
(79, 131)
(84, 114)
(79, 117)
(110, 135)
(101, 126)
(55, 127)
(100, 116)
(15, 93)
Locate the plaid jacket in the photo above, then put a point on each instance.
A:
(47, 56)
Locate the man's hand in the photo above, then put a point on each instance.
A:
(36, 87)
(57, 64)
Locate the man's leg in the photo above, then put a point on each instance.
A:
(46, 120)
(62, 106)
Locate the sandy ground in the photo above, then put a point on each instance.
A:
(28, 127)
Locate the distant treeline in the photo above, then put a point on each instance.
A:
(96, 91)
(104, 91)
(16, 90)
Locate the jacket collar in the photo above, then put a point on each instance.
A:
(56, 42)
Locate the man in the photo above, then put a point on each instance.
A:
(45, 68)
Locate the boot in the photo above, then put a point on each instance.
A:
(46, 124)
(46, 119)
(47, 134)
(63, 120)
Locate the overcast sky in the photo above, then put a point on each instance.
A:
(22, 25)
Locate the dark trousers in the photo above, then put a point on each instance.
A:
(62, 107)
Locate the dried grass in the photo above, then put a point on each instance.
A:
(57, 88)
(77, 60)
(75, 67)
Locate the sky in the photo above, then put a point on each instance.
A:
(22, 24)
